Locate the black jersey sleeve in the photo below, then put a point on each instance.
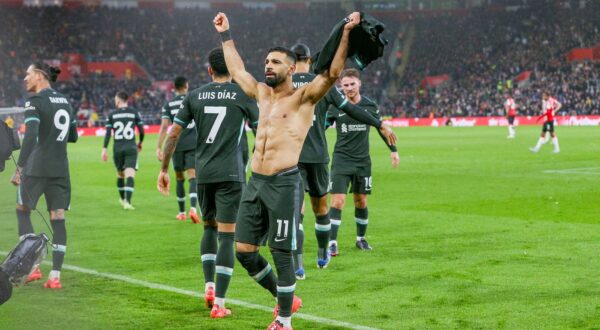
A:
(392, 147)
(165, 113)
(32, 125)
(140, 125)
(184, 116)
(337, 99)
(108, 126)
(73, 136)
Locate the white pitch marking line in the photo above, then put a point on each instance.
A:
(579, 170)
(241, 303)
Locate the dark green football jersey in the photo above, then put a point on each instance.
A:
(187, 140)
(219, 111)
(352, 146)
(55, 116)
(123, 122)
(314, 149)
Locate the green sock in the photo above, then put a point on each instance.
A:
(224, 265)
(208, 253)
(322, 230)
(362, 221)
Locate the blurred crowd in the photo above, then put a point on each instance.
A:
(482, 50)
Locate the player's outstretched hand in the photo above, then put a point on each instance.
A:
(163, 183)
(389, 134)
(221, 22)
(16, 178)
(352, 20)
(395, 159)
(104, 155)
(159, 154)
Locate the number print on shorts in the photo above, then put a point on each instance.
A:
(282, 235)
(368, 183)
(61, 122)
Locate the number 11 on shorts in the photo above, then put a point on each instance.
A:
(279, 227)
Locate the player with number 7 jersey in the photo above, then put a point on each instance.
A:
(219, 111)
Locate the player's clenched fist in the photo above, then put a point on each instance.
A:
(352, 20)
(221, 23)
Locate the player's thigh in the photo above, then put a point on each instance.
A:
(189, 159)
(30, 190)
(131, 159)
(282, 201)
(178, 161)
(251, 225)
(362, 184)
(339, 183)
(227, 201)
(119, 160)
(318, 180)
(58, 193)
(206, 201)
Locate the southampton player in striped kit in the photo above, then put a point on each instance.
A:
(549, 107)
(511, 111)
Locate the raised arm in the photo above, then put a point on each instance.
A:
(321, 84)
(234, 62)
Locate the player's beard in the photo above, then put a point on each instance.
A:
(274, 81)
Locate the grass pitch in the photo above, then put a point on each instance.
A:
(471, 231)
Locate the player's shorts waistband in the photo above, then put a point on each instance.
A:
(288, 172)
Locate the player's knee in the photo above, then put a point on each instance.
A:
(179, 176)
(120, 174)
(360, 203)
(191, 173)
(245, 248)
(23, 208)
(210, 223)
(226, 227)
(337, 202)
(57, 214)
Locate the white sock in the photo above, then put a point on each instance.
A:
(286, 321)
(54, 274)
(359, 238)
(512, 130)
(332, 242)
(209, 285)
(555, 143)
(220, 302)
(539, 143)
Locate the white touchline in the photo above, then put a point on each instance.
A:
(172, 289)
(578, 170)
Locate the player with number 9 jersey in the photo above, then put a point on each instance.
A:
(56, 126)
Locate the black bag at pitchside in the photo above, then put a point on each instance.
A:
(21, 261)
(9, 142)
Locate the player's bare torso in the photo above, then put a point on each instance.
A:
(283, 124)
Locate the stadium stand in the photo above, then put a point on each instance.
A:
(483, 50)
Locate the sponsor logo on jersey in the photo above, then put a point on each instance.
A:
(353, 128)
